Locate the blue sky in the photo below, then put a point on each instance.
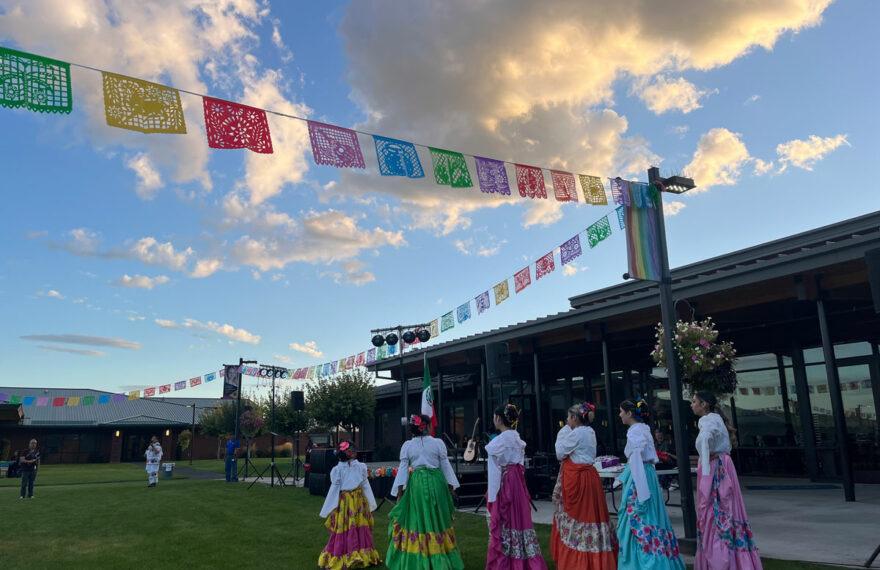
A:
(177, 258)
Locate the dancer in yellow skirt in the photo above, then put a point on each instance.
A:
(348, 509)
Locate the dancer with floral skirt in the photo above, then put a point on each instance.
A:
(348, 509)
(513, 544)
(582, 535)
(643, 529)
(724, 537)
(420, 524)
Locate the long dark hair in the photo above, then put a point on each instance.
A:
(712, 403)
(639, 409)
(419, 425)
(585, 412)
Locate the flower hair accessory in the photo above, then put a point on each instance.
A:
(642, 412)
(586, 409)
(511, 414)
(342, 449)
(417, 421)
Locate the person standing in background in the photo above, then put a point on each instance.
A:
(29, 462)
(153, 455)
(232, 447)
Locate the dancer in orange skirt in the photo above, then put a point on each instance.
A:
(582, 536)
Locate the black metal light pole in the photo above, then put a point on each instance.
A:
(675, 184)
(241, 362)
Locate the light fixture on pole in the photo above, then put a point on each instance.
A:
(675, 185)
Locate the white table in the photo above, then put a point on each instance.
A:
(611, 474)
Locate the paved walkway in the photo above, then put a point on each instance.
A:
(811, 525)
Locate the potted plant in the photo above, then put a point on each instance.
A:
(705, 362)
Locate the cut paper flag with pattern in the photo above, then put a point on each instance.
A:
(594, 190)
(621, 217)
(231, 125)
(142, 106)
(482, 301)
(598, 231)
(209, 377)
(195, 381)
(502, 292)
(134, 395)
(450, 168)
(620, 191)
(492, 176)
(564, 187)
(58, 402)
(522, 279)
(434, 328)
(530, 182)
(33, 82)
(179, 385)
(570, 250)
(447, 321)
(397, 158)
(335, 146)
(334, 367)
(544, 266)
(149, 392)
(360, 361)
(73, 401)
(371, 356)
(165, 388)
(463, 312)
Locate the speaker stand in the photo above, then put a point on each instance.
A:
(273, 472)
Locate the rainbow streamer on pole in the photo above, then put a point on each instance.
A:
(643, 238)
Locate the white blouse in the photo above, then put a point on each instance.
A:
(347, 476)
(424, 451)
(640, 450)
(712, 440)
(578, 444)
(507, 448)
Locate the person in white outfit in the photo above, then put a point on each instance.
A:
(153, 455)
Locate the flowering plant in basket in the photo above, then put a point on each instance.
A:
(705, 362)
(250, 424)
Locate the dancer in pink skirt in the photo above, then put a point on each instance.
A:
(724, 538)
(513, 544)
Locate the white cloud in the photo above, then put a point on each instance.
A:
(167, 324)
(226, 330)
(70, 350)
(752, 99)
(719, 157)
(134, 316)
(150, 251)
(206, 267)
(673, 207)
(805, 153)
(662, 95)
(36, 234)
(573, 268)
(85, 339)
(310, 348)
(54, 293)
(762, 167)
(150, 181)
(282, 358)
(140, 281)
(256, 275)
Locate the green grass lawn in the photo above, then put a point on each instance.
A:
(187, 524)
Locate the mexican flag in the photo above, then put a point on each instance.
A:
(428, 398)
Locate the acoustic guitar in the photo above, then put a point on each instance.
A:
(471, 452)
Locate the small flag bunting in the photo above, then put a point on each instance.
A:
(73, 401)
(594, 190)
(195, 381)
(621, 217)
(530, 181)
(598, 231)
(149, 392)
(164, 389)
(447, 321)
(463, 312)
(620, 191)
(371, 356)
(502, 292)
(544, 266)
(180, 385)
(209, 377)
(564, 186)
(570, 250)
(492, 176)
(522, 279)
(34, 82)
(58, 402)
(88, 401)
(450, 168)
(360, 361)
(482, 301)
(398, 158)
(103, 399)
(231, 125)
(434, 328)
(335, 146)
(142, 106)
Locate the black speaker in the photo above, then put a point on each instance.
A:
(497, 360)
(872, 260)
(297, 402)
(319, 484)
(322, 461)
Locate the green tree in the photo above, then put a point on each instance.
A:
(219, 422)
(347, 400)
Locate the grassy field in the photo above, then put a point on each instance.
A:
(75, 522)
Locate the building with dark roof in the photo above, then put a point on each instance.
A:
(768, 299)
(111, 432)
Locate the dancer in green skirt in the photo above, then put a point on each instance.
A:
(420, 525)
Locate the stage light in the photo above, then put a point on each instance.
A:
(284, 374)
(409, 337)
(378, 340)
(424, 335)
(391, 339)
(263, 372)
(277, 374)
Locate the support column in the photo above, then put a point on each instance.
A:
(538, 404)
(849, 490)
(441, 414)
(783, 389)
(485, 412)
(609, 400)
(404, 396)
(805, 411)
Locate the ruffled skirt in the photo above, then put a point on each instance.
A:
(351, 534)
(513, 544)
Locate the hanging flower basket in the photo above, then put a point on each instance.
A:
(705, 362)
